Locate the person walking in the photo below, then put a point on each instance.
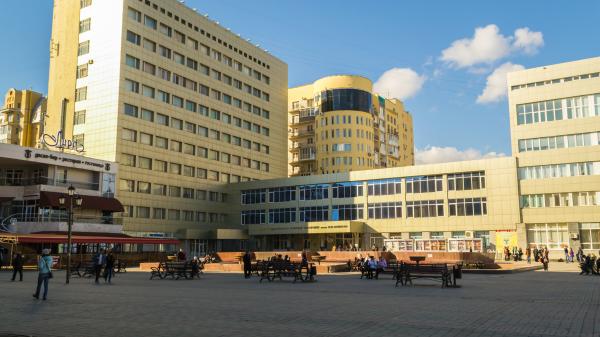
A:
(571, 254)
(44, 274)
(545, 259)
(17, 264)
(579, 255)
(247, 259)
(181, 255)
(528, 254)
(1, 258)
(99, 261)
(566, 255)
(109, 268)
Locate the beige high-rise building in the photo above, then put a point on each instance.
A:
(337, 124)
(21, 117)
(183, 104)
(555, 124)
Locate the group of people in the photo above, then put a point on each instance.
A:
(370, 267)
(516, 253)
(104, 260)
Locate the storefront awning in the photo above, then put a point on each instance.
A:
(50, 199)
(5, 199)
(95, 238)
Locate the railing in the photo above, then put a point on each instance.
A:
(58, 216)
(302, 133)
(15, 181)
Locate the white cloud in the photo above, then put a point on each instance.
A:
(486, 46)
(528, 41)
(435, 154)
(400, 83)
(496, 87)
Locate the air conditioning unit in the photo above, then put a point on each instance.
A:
(469, 234)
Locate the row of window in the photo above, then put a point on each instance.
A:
(555, 81)
(174, 100)
(192, 150)
(559, 170)
(569, 199)
(467, 206)
(190, 41)
(385, 210)
(548, 111)
(127, 185)
(424, 184)
(158, 213)
(343, 119)
(559, 142)
(314, 192)
(466, 181)
(384, 186)
(167, 75)
(165, 120)
(345, 133)
(185, 170)
(424, 208)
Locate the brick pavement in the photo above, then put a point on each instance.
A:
(523, 304)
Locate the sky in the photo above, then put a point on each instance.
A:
(447, 60)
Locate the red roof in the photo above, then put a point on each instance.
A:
(96, 238)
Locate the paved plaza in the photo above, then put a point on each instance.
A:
(521, 304)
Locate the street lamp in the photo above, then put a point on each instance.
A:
(62, 201)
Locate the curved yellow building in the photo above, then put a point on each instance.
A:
(337, 124)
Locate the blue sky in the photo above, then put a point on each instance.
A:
(319, 38)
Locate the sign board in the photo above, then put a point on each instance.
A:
(58, 141)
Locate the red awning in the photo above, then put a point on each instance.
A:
(50, 199)
(5, 199)
(98, 238)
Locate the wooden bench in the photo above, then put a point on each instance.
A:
(176, 270)
(434, 271)
(271, 270)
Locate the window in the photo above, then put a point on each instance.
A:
(554, 236)
(160, 165)
(173, 214)
(347, 212)
(201, 173)
(143, 212)
(466, 181)
(85, 3)
(467, 207)
(149, 68)
(282, 194)
(132, 86)
(150, 22)
(590, 235)
(126, 185)
(256, 196)
(282, 215)
(188, 171)
(314, 192)
(159, 213)
(134, 14)
(559, 170)
(131, 37)
(144, 187)
(82, 70)
(423, 184)
(174, 191)
(177, 101)
(314, 213)
(161, 142)
(424, 208)
(178, 58)
(546, 111)
(148, 91)
(385, 210)
(347, 190)
(79, 117)
(127, 159)
(164, 74)
(145, 138)
(147, 115)
(84, 48)
(213, 175)
(130, 110)
(175, 168)
(162, 119)
(84, 25)
(189, 149)
(149, 45)
(81, 94)
(253, 217)
(144, 163)
(131, 61)
(164, 51)
(128, 134)
(165, 30)
(188, 193)
(384, 187)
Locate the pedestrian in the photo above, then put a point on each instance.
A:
(181, 255)
(99, 261)
(110, 265)
(545, 259)
(247, 259)
(44, 274)
(528, 254)
(17, 264)
(571, 254)
(566, 255)
(535, 253)
(579, 255)
(1, 259)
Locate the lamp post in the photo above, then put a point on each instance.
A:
(62, 201)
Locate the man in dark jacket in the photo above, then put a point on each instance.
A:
(247, 259)
(17, 264)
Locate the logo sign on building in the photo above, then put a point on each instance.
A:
(58, 141)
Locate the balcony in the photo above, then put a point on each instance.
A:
(302, 146)
(298, 134)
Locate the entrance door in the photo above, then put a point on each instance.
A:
(30, 210)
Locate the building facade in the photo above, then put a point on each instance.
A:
(555, 129)
(337, 124)
(183, 104)
(22, 117)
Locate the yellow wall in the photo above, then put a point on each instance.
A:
(27, 109)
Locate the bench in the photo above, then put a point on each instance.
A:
(434, 271)
(176, 270)
(391, 269)
(271, 270)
